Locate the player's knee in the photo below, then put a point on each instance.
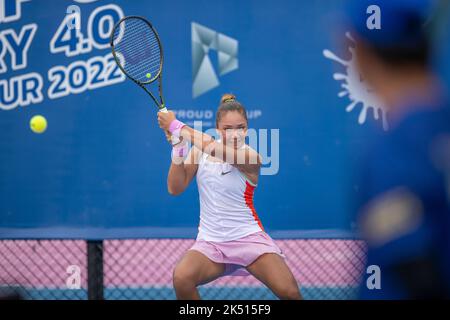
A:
(183, 279)
(290, 293)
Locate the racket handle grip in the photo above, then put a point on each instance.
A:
(175, 140)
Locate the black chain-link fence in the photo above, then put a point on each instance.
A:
(142, 269)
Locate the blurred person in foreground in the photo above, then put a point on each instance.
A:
(403, 202)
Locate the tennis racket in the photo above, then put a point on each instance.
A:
(138, 52)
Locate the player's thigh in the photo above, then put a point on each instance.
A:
(272, 270)
(196, 267)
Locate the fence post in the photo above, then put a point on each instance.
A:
(95, 269)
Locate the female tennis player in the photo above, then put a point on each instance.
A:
(231, 236)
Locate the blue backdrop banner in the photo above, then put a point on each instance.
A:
(100, 168)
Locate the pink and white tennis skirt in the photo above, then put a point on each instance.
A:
(239, 253)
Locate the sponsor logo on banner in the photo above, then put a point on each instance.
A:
(203, 41)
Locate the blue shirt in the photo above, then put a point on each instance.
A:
(403, 205)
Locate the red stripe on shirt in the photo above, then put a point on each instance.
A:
(248, 196)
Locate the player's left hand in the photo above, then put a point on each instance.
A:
(164, 119)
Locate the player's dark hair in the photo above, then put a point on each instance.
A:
(398, 56)
(229, 103)
(415, 53)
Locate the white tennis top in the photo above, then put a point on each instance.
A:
(226, 202)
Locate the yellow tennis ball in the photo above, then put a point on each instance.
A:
(38, 124)
(148, 75)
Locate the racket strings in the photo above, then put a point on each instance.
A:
(137, 45)
(140, 60)
(138, 49)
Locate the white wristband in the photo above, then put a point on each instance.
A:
(180, 152)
